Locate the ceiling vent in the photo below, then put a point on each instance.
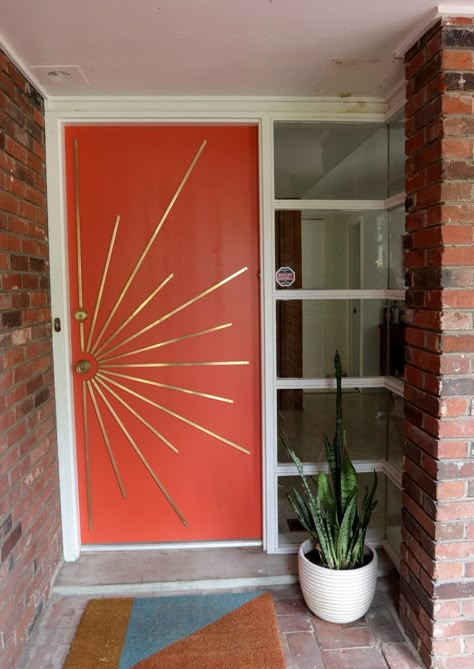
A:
(59, 75)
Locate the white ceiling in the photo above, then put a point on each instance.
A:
(212, 47)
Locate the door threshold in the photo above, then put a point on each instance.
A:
(175, 586)
(104, 548)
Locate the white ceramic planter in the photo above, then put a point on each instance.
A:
(337, 595)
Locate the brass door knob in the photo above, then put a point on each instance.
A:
(83, 366)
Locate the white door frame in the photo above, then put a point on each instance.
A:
(260, 111)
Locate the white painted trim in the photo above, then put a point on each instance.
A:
(311, 468)
(455, 10)
(396, 100)
(395, 201)
(417, 33)
(440, 12)
(338, 294)
(333, 205)
(170, 546)
(61, 341)
(393, 473)
(60, 308)
(396, 385)
(19, 63)
(176, 586)
(302, 108)
(61, 113)
(270, 522)
(330, 383)
(340, 205)
(392, 555)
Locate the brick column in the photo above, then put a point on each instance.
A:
(30, 536)
(437, 566)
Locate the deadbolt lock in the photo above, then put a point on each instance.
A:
(80, 315)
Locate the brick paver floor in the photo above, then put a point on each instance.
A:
(373, 642)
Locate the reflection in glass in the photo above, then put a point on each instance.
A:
(396, 155)
(331, 161)
(310, 331)
(395, 430)
(289, 530)
(392, 339)
(332, 250)
(394, 510)
(365, 410)
(396, 271)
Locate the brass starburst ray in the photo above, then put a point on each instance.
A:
(140, 454)
(100, 379)
(178, 309)
(179, 417)
(85, 421)
(149, 244)
(78, 239)
(134, 313)
(164, 343)
(106, 439)
(215, 363)
(102, 282)
(165, 385)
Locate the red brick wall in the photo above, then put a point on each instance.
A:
(437, 570)
(30, 540)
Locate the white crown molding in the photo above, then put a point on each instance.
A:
(395, 100)
(24, 69)
(440, 12)
(418, 32)
(455, 10)
(213, 107)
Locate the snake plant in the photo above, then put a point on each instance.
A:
(329, 510)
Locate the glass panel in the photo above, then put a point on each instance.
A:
(289, 530)
(331, 250)
(395, 430)
(310, 331)
(392, 339)
(396, 153)
(393, 531)
(331, 161)
(305, 415)
(396, 228)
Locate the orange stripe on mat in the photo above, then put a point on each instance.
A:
(99, 638)
(246, 638)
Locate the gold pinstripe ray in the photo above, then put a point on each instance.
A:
(85, 421)
(215, 363)
(148, 246)
(135, 313)
(106, 439)
(164, 343)
(165, 385)
(102, 281)
(78, 238)
(100, 379)
(178, 309)
(140, 454)
(179, 417)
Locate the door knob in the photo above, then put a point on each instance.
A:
(83, 366)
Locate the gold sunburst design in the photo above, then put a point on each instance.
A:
(106, 374)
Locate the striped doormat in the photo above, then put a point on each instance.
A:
(217, 631)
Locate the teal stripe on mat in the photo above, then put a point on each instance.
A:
(157, 622)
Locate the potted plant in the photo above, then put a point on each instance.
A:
(337, 571)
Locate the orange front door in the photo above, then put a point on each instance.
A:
(163, 257)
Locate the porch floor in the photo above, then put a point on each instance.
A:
(373, 642)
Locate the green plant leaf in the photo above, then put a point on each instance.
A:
(345, 533)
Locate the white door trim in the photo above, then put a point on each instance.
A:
(207, 111)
